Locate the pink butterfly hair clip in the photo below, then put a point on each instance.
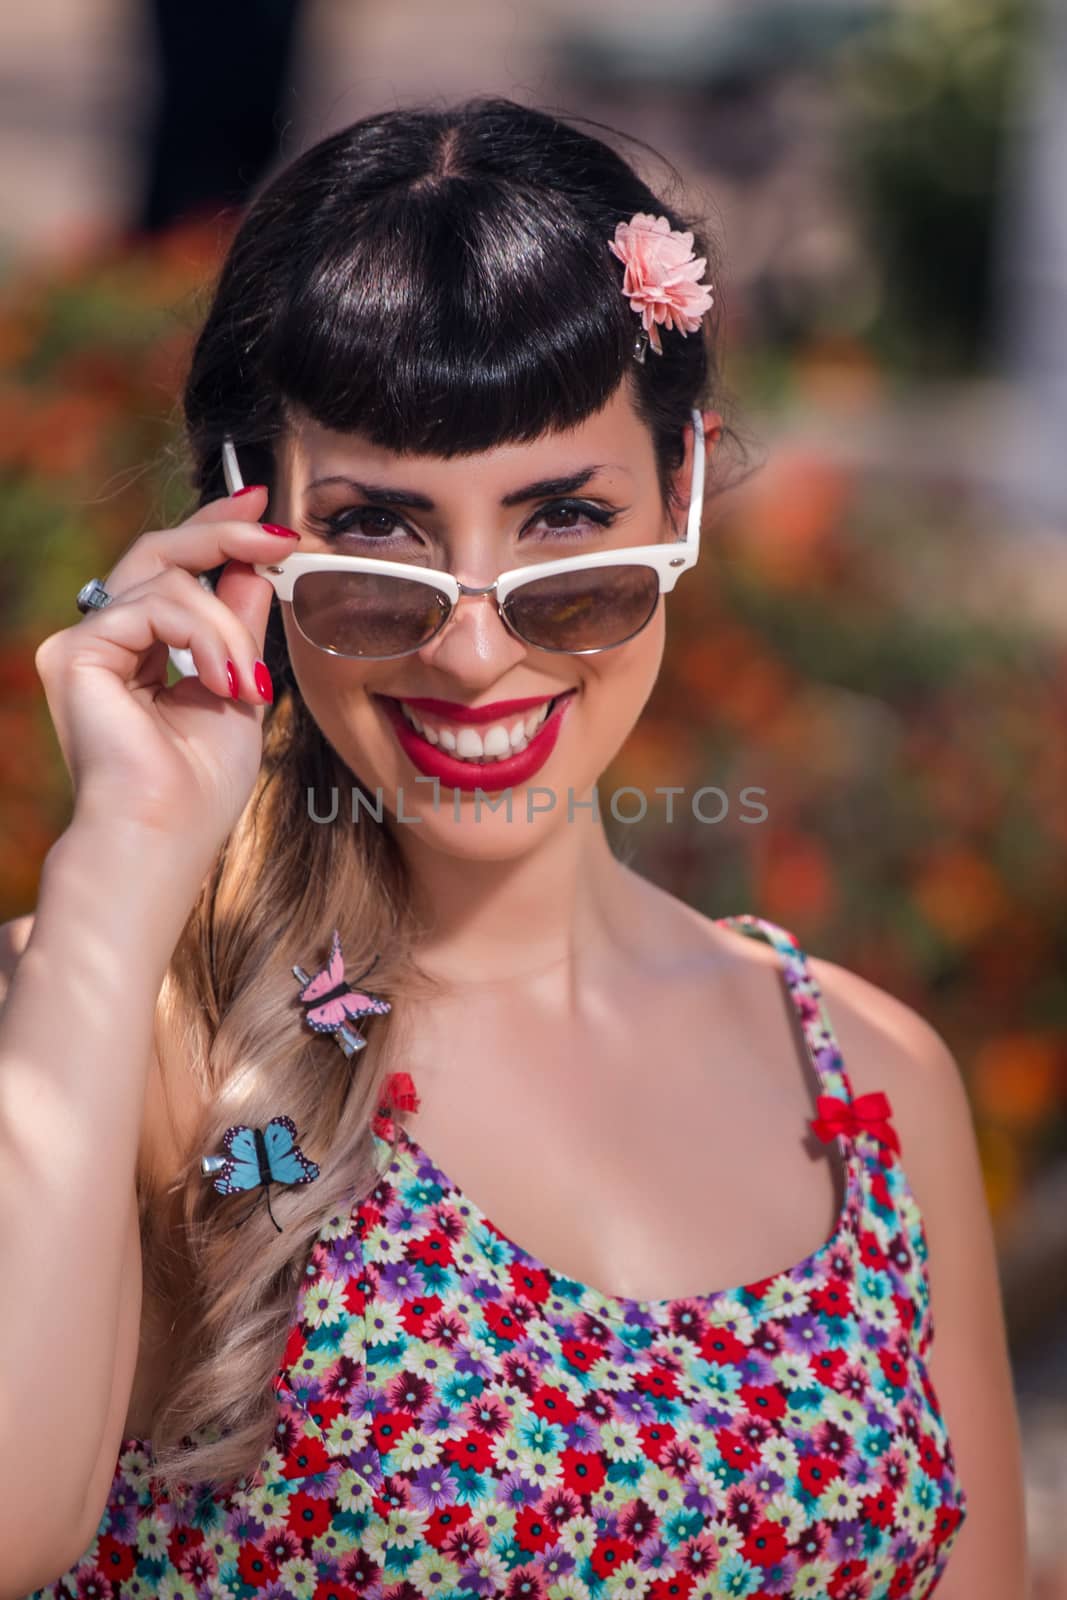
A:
(660, 280)
(333, 1002)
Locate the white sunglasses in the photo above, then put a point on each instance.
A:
(362, 606)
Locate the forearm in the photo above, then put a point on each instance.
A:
(76, 1040)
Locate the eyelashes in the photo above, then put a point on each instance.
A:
(350, 521)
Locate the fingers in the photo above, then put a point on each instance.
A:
(174, 610)
(223, 530)
(248, 502)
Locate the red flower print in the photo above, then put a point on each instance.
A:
(893, 1367)
(417, 1315)
(815, 1472)
(434, 1249)
(608, 1554)
(309, 1516)
(116, 1561)
(254, 1566)
(768, 1403)
(655, 1437)
(389, 1427)
(674, 1588)
(658, 1381)
(354, 1293)
(503, 1321)
(530, 1282)
(184, 1542)
(930, 1458)
(443, 1524)
(833, 1298)
(900, 1584)
(533, 1530)
(879, 1509)
(552, 1403)
(722, 1346)
(735, 1450)
(583, 1471)
(474, 1452)
(305, 1455)
(579, 1354)
(872, 1251)
(764, 1544)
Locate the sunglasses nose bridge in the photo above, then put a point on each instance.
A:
(469, 588)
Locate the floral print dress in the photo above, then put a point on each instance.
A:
(457, 1419)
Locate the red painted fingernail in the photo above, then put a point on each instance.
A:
(232, 675)
(283, 533)
(248, 488)
(263, 683)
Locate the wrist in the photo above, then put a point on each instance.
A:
(123, 865)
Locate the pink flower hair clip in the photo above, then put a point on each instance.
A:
(660, 280)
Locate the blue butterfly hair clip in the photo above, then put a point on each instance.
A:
(257, 1156)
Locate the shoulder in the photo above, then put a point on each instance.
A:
(887, 1045)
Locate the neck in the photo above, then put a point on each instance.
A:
(567, 904)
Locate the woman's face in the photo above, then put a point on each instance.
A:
(476, 516)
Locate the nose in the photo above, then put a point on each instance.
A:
(475, 646)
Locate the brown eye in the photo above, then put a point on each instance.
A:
(373, 522)
(580, 518)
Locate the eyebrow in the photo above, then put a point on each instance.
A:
(543, 489)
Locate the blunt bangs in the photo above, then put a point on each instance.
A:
(447, 317)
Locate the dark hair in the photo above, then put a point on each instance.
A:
(440, 281)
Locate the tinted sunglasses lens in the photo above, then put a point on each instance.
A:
(366, 614)
(585, 610)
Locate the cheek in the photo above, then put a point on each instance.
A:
(617, 687)
(335, 692)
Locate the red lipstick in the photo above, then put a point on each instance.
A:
(489, 776)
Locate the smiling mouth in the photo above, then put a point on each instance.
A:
(482, 745)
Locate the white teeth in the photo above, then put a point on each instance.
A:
(496, 743)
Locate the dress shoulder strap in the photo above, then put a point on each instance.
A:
(808, 1002)
(840, 1113)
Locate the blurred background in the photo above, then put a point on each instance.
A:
(876, 636)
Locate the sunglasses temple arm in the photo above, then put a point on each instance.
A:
(230, 470)
(696, 493)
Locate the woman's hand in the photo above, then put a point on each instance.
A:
(178, 761)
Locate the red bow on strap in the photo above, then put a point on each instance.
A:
(399, 1092)
(868, 1113)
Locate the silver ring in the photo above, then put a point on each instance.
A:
(92, 596)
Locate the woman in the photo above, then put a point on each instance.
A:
(462, 347)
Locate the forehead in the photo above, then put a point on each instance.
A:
(614, 438)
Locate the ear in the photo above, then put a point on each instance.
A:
(713, 426)
(712, 432)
